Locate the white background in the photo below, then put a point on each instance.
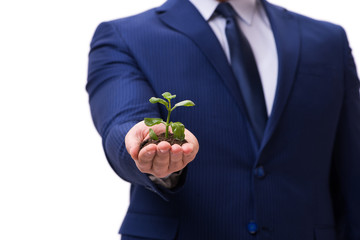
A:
(55, 182)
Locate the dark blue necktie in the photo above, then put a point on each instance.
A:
(244, 67)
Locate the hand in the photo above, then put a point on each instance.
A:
(163, 159)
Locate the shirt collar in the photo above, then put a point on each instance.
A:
(244, 8)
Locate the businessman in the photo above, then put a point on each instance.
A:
(277, 117)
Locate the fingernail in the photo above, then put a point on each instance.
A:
(150, 152)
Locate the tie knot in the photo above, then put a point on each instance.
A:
(226, 10)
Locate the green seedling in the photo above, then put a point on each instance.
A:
(178, 128)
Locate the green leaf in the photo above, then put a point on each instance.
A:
(153, 135)
(178, 130)
(158, 100)
(168, 96)
(185, 103)
(152, 121)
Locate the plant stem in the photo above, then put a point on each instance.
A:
(168, 120)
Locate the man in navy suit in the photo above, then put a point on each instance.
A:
(296, 178)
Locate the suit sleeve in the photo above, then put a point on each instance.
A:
(119, 98)
(346, 158)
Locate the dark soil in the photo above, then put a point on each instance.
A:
(161, 137)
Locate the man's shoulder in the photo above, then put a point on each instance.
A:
(141, 26)
(311, 28)
(138, 21)
(309, 23)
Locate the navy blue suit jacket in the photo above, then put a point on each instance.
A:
(300, 183)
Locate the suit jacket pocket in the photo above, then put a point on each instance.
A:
(149, 226)
(325, 233)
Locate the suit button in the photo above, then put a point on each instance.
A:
(259, 172)
(252, 227)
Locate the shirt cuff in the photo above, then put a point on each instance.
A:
(169, 181)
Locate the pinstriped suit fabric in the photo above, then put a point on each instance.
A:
(135, 58)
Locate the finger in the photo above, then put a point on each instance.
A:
(146, 156)
(176, 155)
(189, 153)
(161, 160)
(187, 148)
(190, 138)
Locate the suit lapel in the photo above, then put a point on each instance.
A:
(182, 16)
(287, 37)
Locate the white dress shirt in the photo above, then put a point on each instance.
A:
(256, 27)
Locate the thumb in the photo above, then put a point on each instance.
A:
(133, 140)
(132, 146)
(134, 152)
